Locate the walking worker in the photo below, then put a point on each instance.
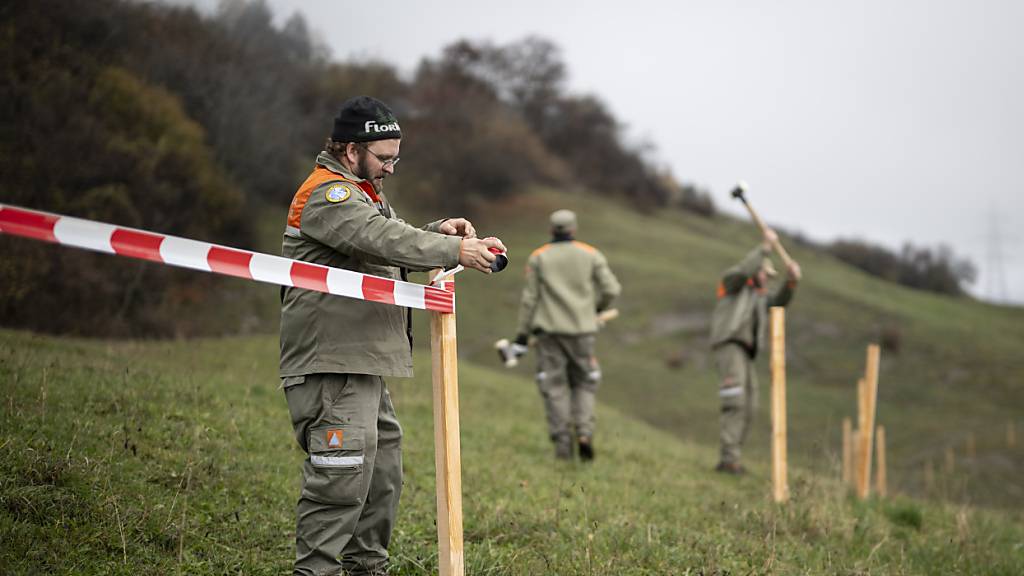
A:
(567, 284)
(738, 327)
(336, 352)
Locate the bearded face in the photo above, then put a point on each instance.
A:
(368, 168)
(376, 160)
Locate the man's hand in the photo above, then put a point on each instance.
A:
(770, 239)
(794, 271)
(458, 227)
(475, 253)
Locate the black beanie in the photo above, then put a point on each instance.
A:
(364, 119)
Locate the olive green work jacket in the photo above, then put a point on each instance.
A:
(567, 283)
(741, 314)
(337, 220)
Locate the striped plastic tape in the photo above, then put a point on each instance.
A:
(221, 259)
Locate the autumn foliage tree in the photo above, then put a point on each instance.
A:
(88, 138)
(158, 117)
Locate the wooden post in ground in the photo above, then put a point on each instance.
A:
(847, 451)
(880, 472)
(868, 427)
(862, 411)
(447, 450)
(971, 446)
(854, 458)
(1011, 434)
(780, 485)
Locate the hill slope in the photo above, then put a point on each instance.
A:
(127, 458)
(958, 369)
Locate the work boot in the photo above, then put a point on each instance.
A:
(734, 468)
(586, 448)
(563, 447)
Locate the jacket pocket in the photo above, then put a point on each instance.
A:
(334, 472)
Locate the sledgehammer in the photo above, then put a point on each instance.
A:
(739, 192)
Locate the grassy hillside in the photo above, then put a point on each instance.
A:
(958, 370)
(178, 458)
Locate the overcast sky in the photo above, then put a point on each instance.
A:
(887, 121)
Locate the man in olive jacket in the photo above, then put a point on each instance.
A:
(567, 283)
(738, 327)
(335, 351)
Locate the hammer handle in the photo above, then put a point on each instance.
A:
(607, 315)
(775, 243)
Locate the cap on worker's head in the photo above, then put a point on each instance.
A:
(768, 267)
(364, 119)
(563, 220)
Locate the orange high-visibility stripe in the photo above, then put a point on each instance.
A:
(584, 246)
(536, 252)
(321, 175)
(540, 250)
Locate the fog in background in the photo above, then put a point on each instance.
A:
(888, 122)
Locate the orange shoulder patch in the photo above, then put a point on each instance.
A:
(584, 246)
(540, 250)
(320, 175)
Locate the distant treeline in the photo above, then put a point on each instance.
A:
(931, 269)
(157, 117)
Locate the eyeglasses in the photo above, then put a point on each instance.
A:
(384, 163)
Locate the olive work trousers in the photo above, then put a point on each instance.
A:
(568, 376)
(738, 393)
(352, 476)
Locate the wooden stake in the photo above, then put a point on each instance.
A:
(880, 473)
(447, 450)
(971, 447)
(868, 428)
(780, 486)
(855, 458)
(862, 409)
(847, 451)
(950, 460)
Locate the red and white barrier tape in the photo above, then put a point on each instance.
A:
(220, 259)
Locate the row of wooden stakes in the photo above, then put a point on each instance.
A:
(856, 470)
(868, 438)
(860, 444)
(853, 460)
(857, 446)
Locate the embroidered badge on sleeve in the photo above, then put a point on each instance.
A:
(338, 193)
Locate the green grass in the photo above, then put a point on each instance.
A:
(959, 369)
(166, 458)
(178, 457)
